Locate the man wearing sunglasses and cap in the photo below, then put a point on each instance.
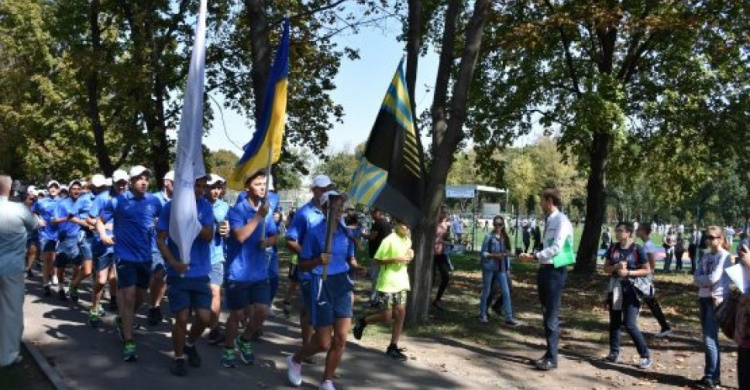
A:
(69, 226)
(213, 194)
(134, 214)
(45, 210)
(329, 296)
(104, 255)
(307, 217)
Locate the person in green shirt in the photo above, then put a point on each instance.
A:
(393, 257)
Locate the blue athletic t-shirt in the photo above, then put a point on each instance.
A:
(97, 207)
(220, 210)
(67, 229)
(200, 251)
(342, 249)
(133, 225)
(307, 217)
(247, 262)
(45, 209)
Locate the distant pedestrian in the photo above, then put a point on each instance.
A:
(714, 289)
(625, 260)
(679, 252)
(16, 221)
(643, 232)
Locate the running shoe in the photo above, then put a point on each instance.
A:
(94, 320)
(645, 363)
(129, 351)
(178, 367)
(245, 348)
(293, 371)
(395, 353)
(193, 358)
(74, 293)
(326, 385)
(229, 358)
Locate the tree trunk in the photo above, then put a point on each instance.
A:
(447, 134)
(92, 89)
(260, 48)
(596, 203)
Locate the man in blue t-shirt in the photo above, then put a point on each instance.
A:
(307, 217)
(158, 286)
(252, 234)
(69, 224)
(189, 284)
(133, 215)
(213, 194)
(104, 256)
(44, 209)
(86, 235)
(329, 297)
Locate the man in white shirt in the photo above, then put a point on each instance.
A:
(550, 279)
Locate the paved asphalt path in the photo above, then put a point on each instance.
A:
(89, 358)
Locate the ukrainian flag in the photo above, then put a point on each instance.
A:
(265, 146)
(389, 175)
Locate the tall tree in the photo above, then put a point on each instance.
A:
(606, 75)
(449, 110)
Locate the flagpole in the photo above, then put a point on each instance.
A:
(268, 184)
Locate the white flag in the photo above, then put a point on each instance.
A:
(183, 223)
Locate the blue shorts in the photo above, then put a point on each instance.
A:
(47, 244)
(330, 299)
(85, 246)
(217, 274)
(184, 293)
(240, 295)
(133, 273)
(157, 263)
(274, 283)
(32, 239)
(104, 261)
(68, 252)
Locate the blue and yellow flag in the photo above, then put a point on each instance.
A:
(389, 175)
(265, 146)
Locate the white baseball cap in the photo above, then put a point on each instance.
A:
(75, 181)
(139, 170)
(32, 190)
(169, 176)
(53, 183)
(64, 188)
(98, 180)
(321, 181)
(214, 179)
(119, 175)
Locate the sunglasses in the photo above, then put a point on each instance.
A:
(712, 237)
(499, 224)
(620, 230)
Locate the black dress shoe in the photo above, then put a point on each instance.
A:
(545, 365)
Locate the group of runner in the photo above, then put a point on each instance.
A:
(118, 231)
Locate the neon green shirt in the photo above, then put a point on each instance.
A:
(393, 277)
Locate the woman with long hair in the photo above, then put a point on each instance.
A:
(714, 288)
(496, 268)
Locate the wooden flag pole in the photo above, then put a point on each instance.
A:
(268, 184)
(335, 203)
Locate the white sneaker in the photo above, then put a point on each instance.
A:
(54, 280)
(294, 372)
(663, 333)
(483, 319)
(326, 385)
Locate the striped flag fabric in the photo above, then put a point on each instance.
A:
(389, 174)
(265, 146)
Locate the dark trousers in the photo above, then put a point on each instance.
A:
(550, 282)
(442, 266)
(678, 259)
(691, 254)
(743, 368)
(629, 316)
(655, 308)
